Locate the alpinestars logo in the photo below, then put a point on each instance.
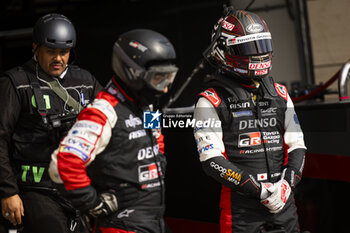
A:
(249, 139)
(281, 90)
(212, 96)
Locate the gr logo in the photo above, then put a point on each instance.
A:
(249, 139)
(148, 172)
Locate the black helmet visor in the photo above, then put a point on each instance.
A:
(160, 77)
(248, 45)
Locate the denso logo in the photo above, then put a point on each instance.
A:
(259, 66)
(148, 152)
(261, 123)
(240, 105)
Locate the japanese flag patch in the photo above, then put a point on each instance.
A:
(282, 91)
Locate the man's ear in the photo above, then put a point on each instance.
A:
(35, 48)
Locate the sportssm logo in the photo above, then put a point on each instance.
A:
(232, 176)
(227, 174)
(249, 139)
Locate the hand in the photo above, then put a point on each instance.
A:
(125, 195)
(265, 193)
(280, 192)
(12, 209)
(107, 204)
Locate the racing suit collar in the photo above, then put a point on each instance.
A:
(122, 88)
(251, 86)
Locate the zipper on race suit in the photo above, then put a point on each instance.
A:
(255, 100)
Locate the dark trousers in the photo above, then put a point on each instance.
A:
(255, 218)
(131, 221)
(43, 214)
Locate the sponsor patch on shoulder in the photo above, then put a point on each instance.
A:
(212, 96)
(75, 151)
(281, 90)
(88, 125)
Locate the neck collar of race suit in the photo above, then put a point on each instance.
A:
(127, 93)
(265, 86)
(253, 85)
(144, 97)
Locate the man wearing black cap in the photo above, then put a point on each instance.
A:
(40, 102)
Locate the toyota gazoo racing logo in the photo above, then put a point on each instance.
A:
(249, 139)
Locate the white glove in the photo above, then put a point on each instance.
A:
(108, 204)
(280, 192)
(265, 193)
